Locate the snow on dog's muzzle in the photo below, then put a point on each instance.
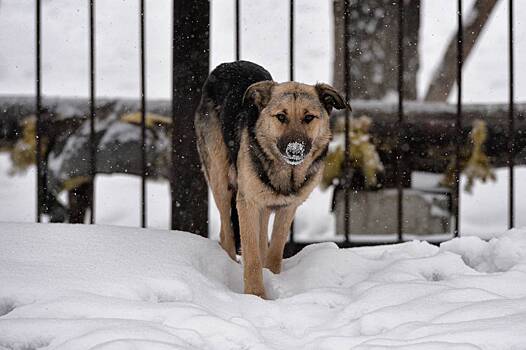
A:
(294, 149)
(295, 153)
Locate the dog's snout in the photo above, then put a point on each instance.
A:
(294, 148)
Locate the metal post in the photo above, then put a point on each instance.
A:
(191, 28)
(346, 86)
(92, 145)
(238, 38)
(399, 187)
(291, 40)
(458, 124)
(38, 110)
(291, 71)
(143, 114)
(511, 120)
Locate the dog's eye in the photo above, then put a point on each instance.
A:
(308, 118)
(282, 118)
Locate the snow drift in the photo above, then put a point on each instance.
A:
(103, 287)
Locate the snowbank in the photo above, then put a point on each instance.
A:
(104, 287)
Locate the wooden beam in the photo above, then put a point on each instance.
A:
(429, 135)
(445, 75)
(426, 125)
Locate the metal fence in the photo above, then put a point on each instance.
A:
(293, 246)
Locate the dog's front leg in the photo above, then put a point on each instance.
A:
(249, 229)
(280, 234)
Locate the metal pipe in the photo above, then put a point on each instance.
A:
(143, 114)
(291, 71)
(458, 124)
(92, 145)
(237, 34)
(38, 110)
(511, 120)
(346, 86)
(399, 187)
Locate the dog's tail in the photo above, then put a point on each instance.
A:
(234, 220)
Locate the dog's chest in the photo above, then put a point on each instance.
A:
(280, 185)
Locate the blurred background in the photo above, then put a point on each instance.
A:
(264, 28)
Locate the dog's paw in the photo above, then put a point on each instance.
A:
(273, 265)
(230, 250)
(260, 292)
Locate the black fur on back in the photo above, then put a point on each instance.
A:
(224, 90)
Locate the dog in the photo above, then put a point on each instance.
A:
(262, 146)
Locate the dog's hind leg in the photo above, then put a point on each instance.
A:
(223, 194)
(280, 234)
(214, 158)
(226, 234)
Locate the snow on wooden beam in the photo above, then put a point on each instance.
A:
(426, 125)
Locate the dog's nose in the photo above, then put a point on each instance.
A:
(295, 150)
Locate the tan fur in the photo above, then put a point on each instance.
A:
(255, 199)
(214, 157)
(280, 233)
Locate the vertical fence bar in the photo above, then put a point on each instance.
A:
(399, 187)
(143, 114)
(291, 41)
(190, 39)
(173, 154)
(238, 37)
(458, 124)
(511, 119)
(291, 71)
(92, 146)
(38, 110)
(346, 86)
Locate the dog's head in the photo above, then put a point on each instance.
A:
(293, 122)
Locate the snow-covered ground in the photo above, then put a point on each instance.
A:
(108, 287)
(103, 287)
(65, 73)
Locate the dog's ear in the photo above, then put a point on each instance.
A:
(259, 93)
(330, 98)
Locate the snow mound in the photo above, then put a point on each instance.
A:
(103, 287)
(500, 254)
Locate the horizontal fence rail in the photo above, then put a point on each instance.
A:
(15, 108)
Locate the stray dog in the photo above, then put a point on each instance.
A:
(262, 146)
